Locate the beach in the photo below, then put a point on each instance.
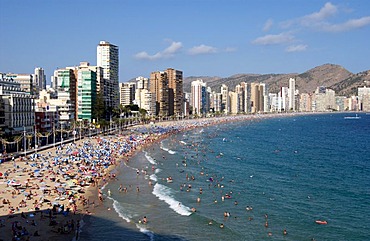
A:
(48, 195)
(256, 171)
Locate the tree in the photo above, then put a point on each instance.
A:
(99, 109)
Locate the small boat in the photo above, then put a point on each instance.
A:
(321, 222)
(352, 117)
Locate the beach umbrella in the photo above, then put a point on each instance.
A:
(60, 189)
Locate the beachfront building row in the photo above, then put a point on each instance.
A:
(246, 98)
(255, 98)
(30, 83)
(16, 108)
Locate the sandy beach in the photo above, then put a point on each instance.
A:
(46, 196)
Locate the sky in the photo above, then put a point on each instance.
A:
(200, 37)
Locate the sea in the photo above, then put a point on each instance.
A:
(247, 180)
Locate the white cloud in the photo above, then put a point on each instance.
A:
(173, 48)
(296, 48)
(349, 25)
(268, 25)
(318, 21)
(230, 49)
(327, 11)
(202, 49)
(271, 39)
(166, 53)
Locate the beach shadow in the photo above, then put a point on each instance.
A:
(41, 225)
(98, 228)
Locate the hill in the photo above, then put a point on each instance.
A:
(329, 75)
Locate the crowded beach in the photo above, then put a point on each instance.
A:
(45, 195)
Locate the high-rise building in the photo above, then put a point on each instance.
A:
(364, 98)
(86, 93)
(199, 96)
(107, 58)
(159, 87)
(127, 93)
(175, 91)
(147, 101)
(215, 102)
(305, 102)
(234, 102)
(225, 103)
(39, 79)
(259, 98)
(291, 94)
(66, 87)
(143, 97)
(242, 91)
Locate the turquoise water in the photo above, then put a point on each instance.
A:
(294, 170)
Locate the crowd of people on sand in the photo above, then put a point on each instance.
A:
(52, 184)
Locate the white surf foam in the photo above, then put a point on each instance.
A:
(167, 150)
(145, 231)
(183, 142)
(103, 187)
(153, 177)
(150, 159)
(164, 193)
(120, 210)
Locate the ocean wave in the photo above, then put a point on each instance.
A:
(120, 210)
(145, 231)
(149, 158)
(103, 187)
(167, 150)
(153, 177)
(164, 193)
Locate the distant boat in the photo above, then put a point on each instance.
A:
(352, 117)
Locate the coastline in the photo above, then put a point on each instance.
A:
(137, 140)
(170, 128)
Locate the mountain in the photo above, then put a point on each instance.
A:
(329, 75)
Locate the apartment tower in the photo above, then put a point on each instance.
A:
(291, 94)
(107, 58)
(159, 87)
(175, 91)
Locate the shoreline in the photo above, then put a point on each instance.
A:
(175, 127)
(137, 140)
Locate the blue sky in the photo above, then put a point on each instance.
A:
(199, 37)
